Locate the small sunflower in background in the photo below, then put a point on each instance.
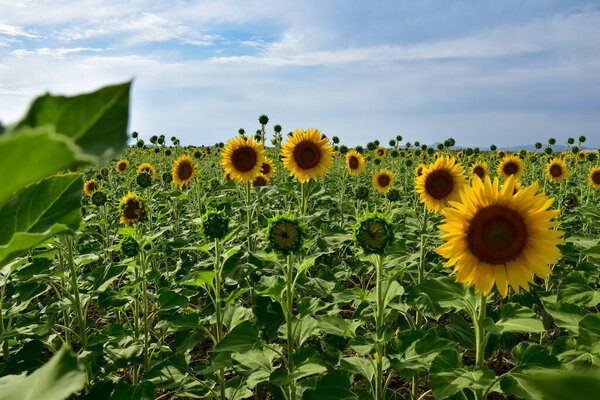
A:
(436, 156)
(419, 170)
(502, 153)
(242, 158)
(355, 162)
(307, 154)
(259, 181)
(373, 233)
(132, 209)
(183, 171)
(98, 198)
(380, 152)
(148, 168)
(594, 178)
(459, 154)
(90, 187)
(570, 201)
(556, 170)
(440, 183)
(581, 156)
(495, 237)
(267, 168)
(383, 180)
(511, 166)
(285, 234)
(480, 168)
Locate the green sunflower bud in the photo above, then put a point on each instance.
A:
(285, 234)
(215, 225)
(144, 179)
(373, 234)
(99, 198)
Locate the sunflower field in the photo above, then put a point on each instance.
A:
(301, 269)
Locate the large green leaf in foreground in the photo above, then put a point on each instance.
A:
(38, 212)
(56, 380)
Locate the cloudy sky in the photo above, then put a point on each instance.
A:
(503, 72)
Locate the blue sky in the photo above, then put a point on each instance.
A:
(503, 72)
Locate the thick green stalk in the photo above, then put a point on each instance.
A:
(480, 340)
(145, 310)
(379, 395)
(75, 288)
(219, 311)
(5, 350)
(289, 311)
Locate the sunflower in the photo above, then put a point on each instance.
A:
(90, 187)
(355, 162)
(267, 168)
(480, 168)
(242, 158)
(556, 170)
(307, 154)
(372, 233)
(493, 236)
(132, 209)
(285, 234)
(440, 183)
(146, 167)
(383, 180)
(260, 180)
(581, 155)
(436, 155)
(419, 170)
(594, 177)
(502, 153)
(380, 152)
(511, 165)
(184, 170)
(459, 154)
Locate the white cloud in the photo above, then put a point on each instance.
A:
(11, 30)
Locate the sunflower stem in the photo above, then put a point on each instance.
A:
(480, 339)
(142, 260)
(289, 311)
(379, 395)
(219, 311)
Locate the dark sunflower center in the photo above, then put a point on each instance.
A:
(244, 158)
(439, 184)
(497, 235)
(596, 177)
(259, 181)
(131, 210)
(122, 167)
(92, 186)
(502, 154)
(380, 152)
(419, 171)
(266, 168)
(510, 168)
(383, 180)
(307, 154)
(555, 170)
(184, 172)
(479, 171)
(353, 162)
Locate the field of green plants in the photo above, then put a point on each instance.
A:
(290, 266)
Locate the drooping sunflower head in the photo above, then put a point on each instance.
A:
(148, 168)
(594, 177)
(380, 152)
(144, 179)
(307, 154)
(556, 170)
(285, 234)
(242, 158)
(493, 236)
(440, 183)
(373, 233)
(99, 198)
(132, 209)
(383, 180)
(511, 165)
(215, 225)
(355, 162)
(183, 171)
(480, 168)
(419, 170)
(90, 187)
(267, 168)
(121, 166)
(259, 181)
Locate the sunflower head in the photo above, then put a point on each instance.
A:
(380, 152)
(242, 158)
(121, 166)
(373, 234)
(440, 183)
(556, 170)
(144, 179)
(355, 162)
(581, 156)
(148, 168)
(493, 236)
(99, 198)
(594, 177)
(260, 180)
(480, 169)
(419, 170)
(90, 187)
(215, 225)
(502, 153)
(103, 171)
(267, 168)
(511, 165)
(362, 192)
(285, 234)
(132, 209)
(183, 171)
(129, 246)
(570, 200)
(383, 180)
(307, 154)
